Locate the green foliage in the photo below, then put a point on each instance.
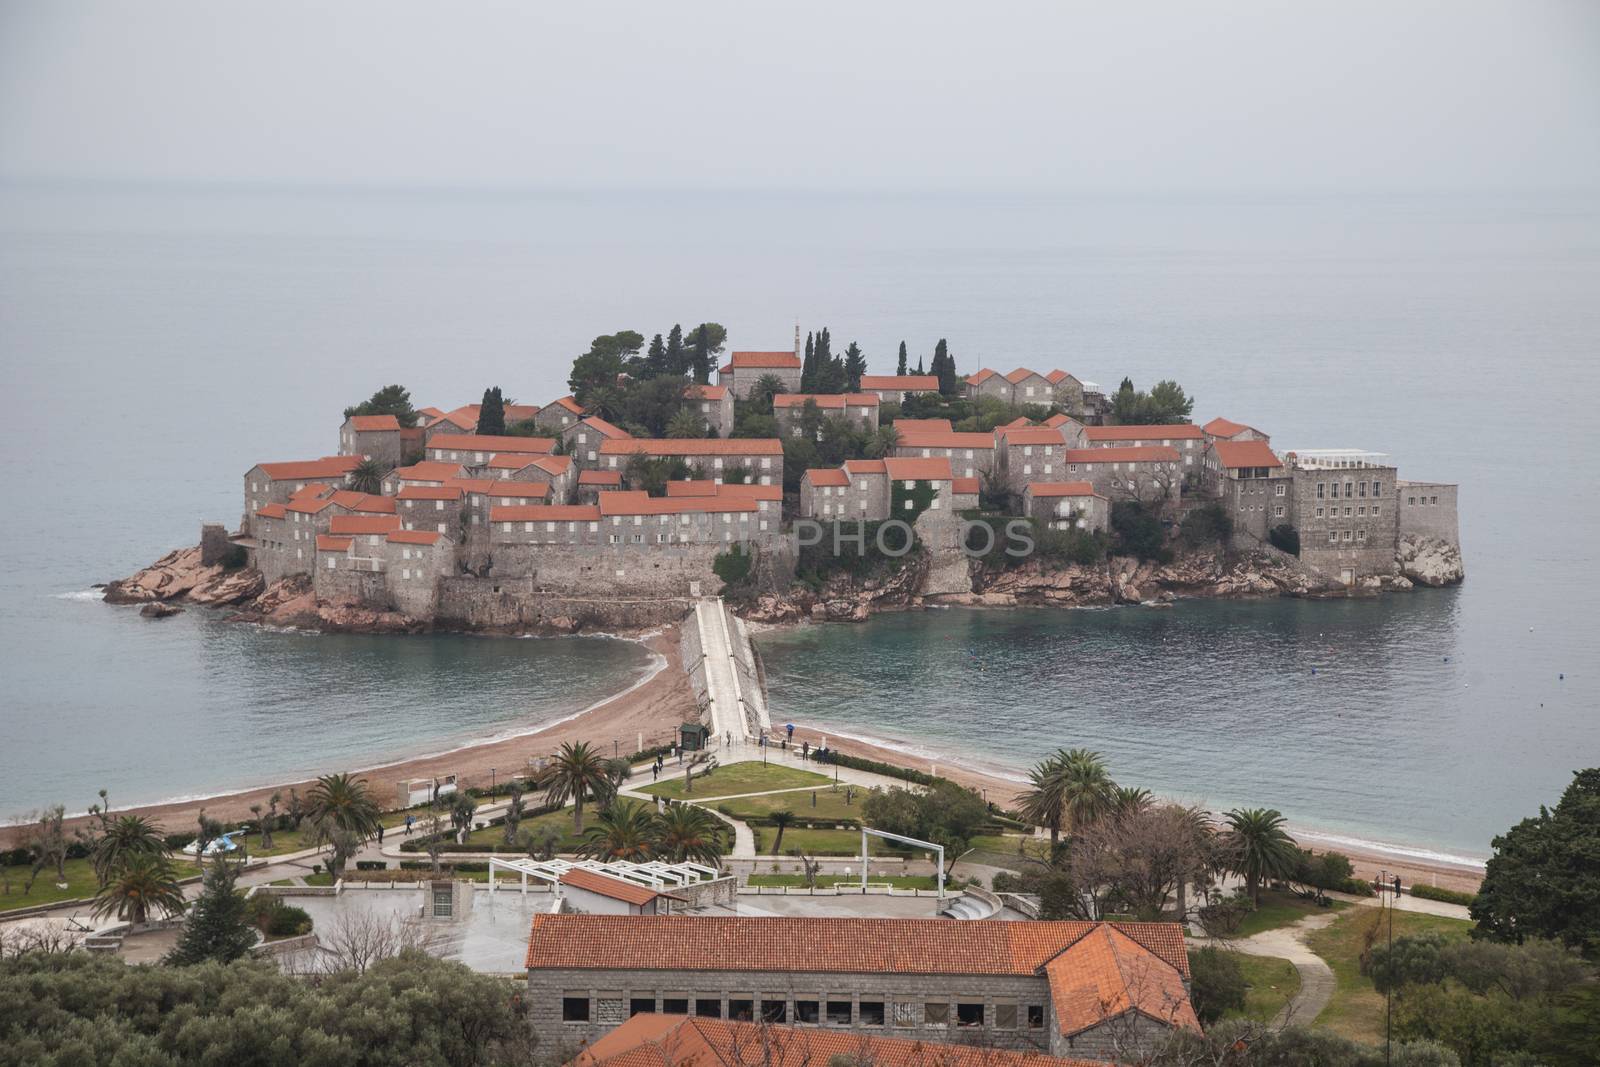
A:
(703, 343)
(944, 367)
(907, 504)
(140, 887)
(1285, 538)
(1218, 984)
(944, 813)
(74, 1009)
(368, 475)
(492, 413)
(686, 423)
(1165, 403)
(855, 365)
(733, 566)
(879, 767)
(390, 400)
(1259, 847)
(1071, 546)
(1322, 870)
(1415, 960)
(342, 813)
(218, 928)
(526, 428)
(865, 549)
(598, 368)
(576, 773)
(1136, 531)
(1206, 526)
(652, 473)
(900, 365)
(1448, 896)
(1544, 877)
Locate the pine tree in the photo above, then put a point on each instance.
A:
(855, 365)
(808, 368)
(217, 928)
(492, 412)
(702, 355)
(676, 363)
(655, 359)
(900, 368)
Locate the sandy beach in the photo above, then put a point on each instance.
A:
(651, 710)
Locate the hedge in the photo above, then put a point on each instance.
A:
(1448, 896)
(879, 767)
(372, 865)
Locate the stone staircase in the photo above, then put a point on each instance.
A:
(971, 905)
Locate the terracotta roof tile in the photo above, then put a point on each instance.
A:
(1054, 489)
(415, 537)
(637, 503)
(330, 543)
(315, 489)
(826, 401)
(607, 886)
(270, 511)
(310, 469)
(896, 382)
(309, 505)
(965, 486)
(511, 461)
(765, 360)
(1031, 435)
(980, 377)
(936, 469)
(430, 492)
(569, 403)
(922, 425)
(695, 391)
(505, 489)
(372, 423)
(827, 476)
(692, 488)
(593, 477)
(1056, 377)
(1106, 973)
(1022, 374)
(941, 439)
(692, 446)
(1058, 420)
(604, 428)
(863, 466)
(1220, 427)
(1235, 454)
(555, 466)
(1172, 431)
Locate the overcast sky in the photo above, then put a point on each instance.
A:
(1379, 94)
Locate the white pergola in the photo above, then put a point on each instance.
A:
(656, 875)
(906, 840)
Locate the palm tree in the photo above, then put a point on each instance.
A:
(685, 833)
(882, 443)
(1087, 791)
(342, 813)
(1130, 800)
(623, 831)
(121, 841)
(367, 476)
(1260, 847)
(576, 773)
(781, 819)
(1041, 803)
(686, 423)
(143, 883)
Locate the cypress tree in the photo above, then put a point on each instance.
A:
(855, 365)
(702, 355)
(808, 368)
(900, 368)
(655, 360)
(919, 366)
(945, 367)
(217, 928)
(492, 412)
(675, 362)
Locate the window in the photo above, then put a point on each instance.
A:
(1035, 1016)
(969, 1014)
(1374, 511)
(675, 1006)
(1277, 511)
(839, 1012)
(1347, 511)
(1281, 489)
(936, 1014)
(871, 1013)
(1411, 501)
(574, 1009)
(1377, 488)
(1319, 489)
(808, 1011)
(640, 1005)
(707, 1008)
(906, 1013)
(1335, 493)
(774, 1009)
(1333, 536)
(741, 1009)
(1361, 535)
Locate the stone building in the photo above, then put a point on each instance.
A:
(714, 404)
(760, 458)
(276, 483)
(1070, 429)
(557, 415)
(1345, 507)
(1066, 505)
(414, 561)
(1220, 429)
(791, 409)
(1068, 391)
(744, 369)
(1029, 453)
(1251, 483)
(592, 483)
(922, 426)
(583, 439)
(439, 508)
(1187, 438)
(971, 455)
(424, 473)
(986, 382)
(474, 451)
(1150, 473)
(1081, 989)
(455, 423)
(1428, 509)
(375, 437)
(586, 892)
(894, 388)
(768, 498)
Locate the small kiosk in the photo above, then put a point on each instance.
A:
(692, 736)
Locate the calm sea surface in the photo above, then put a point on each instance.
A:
(154, 344)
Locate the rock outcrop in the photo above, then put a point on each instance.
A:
(159, 609)
(180, 575)
(1430, 561)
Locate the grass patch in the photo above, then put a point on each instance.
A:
(1279, 908)
(748, 777)
(830, 843)
(899, 881)
(1356, 1010)
(561, 820)
(1273, 981)
(81, 884)
(830, 804)
(320, 878)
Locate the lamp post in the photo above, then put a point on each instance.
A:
(1384, 885)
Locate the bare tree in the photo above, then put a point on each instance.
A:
(358, 939)
(43, 937)
(269, 821)
(46, 841)
(1142, 857)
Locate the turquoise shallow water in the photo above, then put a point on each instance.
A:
(156, 343)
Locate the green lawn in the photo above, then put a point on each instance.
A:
(1356, 1010)
(1280, 909)
(561, 820)
(821, 842)
(1272, 982)
(749, 777)
(830, 804)
(80, 884)
(899, 881)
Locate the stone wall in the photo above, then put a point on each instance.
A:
(1428, 509)
(467, 602)
(214, 544)
(1344, 546)
(344, 583)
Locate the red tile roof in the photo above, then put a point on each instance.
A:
(1235, 454)
(1021, 374)
(1031, 435)
(414, 537)
(692, 446)
(543, 512)
(827, 476)
(1172, 431)
(555, 466)
(980, 377)
(270, 511)
(315, 489)
(520, 412)
(431, 412)
(505, 489)
(826, 401)
(901, 383)
(592, 477)
(370, 503)
(863, 466)
(650, 1040)
(965, 486)
(765, 360)
(1220, 427)
(784, 943)
(310, 469)
(428, 472)
(604, 428)
(1056, 377)
(928, 470)
(363, 524)
(1054, 489)
(1058, 420)
(371, 423)
(430, 492)
(942, 439)
(472, 442)
(569, 403)
(607, 886)
(1106, 974)
(638, 503)
(690, 488)
(922, 425)
(1133, 454)
(746, 491)
(309, 505)
(330, 543)
(705, 392)
(511, 461)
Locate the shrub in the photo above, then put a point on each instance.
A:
(1208, 525)
(1217, 984)
(1223, 917)
(1285, 538)
(732, 566)
(176, 842)
(287, 921)
(1448, 896)
(1137, 532)
(372, 865)
(879, 767)
(1356, 887)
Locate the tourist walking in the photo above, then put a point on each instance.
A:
(409, 820)
(380, 833)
